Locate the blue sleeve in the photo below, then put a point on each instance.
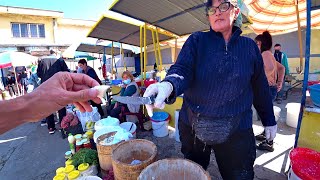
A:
(130, 90)
(261, 94)
(184, 68)
(91, 73)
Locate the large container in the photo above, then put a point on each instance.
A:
(315, 94)
(293, 110)
(109, 121)
(105, 152)
(176, 126)
(177, 169)
(126, 152)
(160, 121)
(276, 111)
(130, 127)
(305, 164)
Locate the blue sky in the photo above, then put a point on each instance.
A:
(76, 9)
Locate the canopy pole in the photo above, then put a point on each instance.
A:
(111, 58)
(299, 36)
(159, 51)
(175, 50)
(306, 72)
(122, 56)
(145, 52)
(155, 48)
(141, 56)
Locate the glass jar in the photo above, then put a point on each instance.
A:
(89, 134)
(74, 175)
(87, 144)
(60, 176)
(68, 162)
(79, 145)
(69, 168)
(68, 154)
(60, 170)
(78, 137)
(84, 169)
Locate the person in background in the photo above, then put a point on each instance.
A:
(84, 68)
(58, 91)
(282, 58)
(34, 80)
(273, 70)
(47, 67)
(130, 88)
(220, 74)
(23, 81)
(11, 85)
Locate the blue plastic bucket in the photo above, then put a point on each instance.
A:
(315, 94)
(160, 121)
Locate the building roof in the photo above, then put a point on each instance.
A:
(30, 11)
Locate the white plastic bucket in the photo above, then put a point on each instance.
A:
(90, 178)
(293, 110)
(109, 121)
(160, 128)
(176, 118)
(276, 111)
(127, 126)
(292, 175)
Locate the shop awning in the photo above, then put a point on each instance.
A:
(180, 17)
(280, 16)
(111, 29)
(100, 49)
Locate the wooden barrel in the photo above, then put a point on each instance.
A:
(177, 169)
(104, 153)
(123, 155)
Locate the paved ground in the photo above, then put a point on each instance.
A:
(28, 152)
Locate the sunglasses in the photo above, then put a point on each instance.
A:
(223, 7)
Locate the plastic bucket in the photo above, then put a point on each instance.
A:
(90, 178)
(127, 126)
(109, 121)
(122, 157)
(276, 111)
(293, 110)
(177, 169)
(315, 94)
(176, 118)
(304, 164)
(160, 121)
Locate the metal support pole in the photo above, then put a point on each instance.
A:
(145, 52)
(159, 50)
(155, 49)
(112, 56)
(299, 36)
(141, 56)
(306, 71)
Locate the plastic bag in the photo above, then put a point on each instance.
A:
(88, 119)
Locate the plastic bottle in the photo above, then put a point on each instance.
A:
(71, 140)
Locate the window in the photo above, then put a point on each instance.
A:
(25, 30)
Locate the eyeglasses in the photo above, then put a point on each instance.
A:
(223, 7)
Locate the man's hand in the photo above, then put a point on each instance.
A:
(64, 88)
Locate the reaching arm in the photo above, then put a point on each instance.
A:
(261, 95)
(62, 89)
(280, 72)
(268, 64)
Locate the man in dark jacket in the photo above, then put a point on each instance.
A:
(84, 68)
(47, 67)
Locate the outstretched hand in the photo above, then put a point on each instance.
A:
(64, 88)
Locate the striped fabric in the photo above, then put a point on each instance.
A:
(279, 16)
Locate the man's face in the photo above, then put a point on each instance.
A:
(277, 48)
(82, 66)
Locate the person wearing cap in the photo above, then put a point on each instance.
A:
(221, 75)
